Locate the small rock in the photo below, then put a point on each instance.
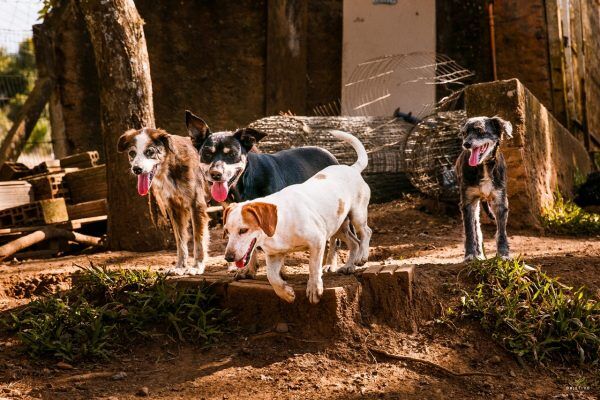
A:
(143, 391)
(63, 365)
(282, 327)
(512, 373)
(495, 360)
(119, 376)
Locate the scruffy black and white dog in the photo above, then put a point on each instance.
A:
(481, 173)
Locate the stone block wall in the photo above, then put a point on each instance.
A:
(542, 157)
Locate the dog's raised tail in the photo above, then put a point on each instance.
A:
(362, 159)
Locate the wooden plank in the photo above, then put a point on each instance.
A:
(286, 83)
(87, 184)
(557, 61)
(88, 209)
(28, 116)
(69, 225)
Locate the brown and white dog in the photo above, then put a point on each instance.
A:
(304, 217)
(169, 164)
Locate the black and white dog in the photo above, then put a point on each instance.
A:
(481, 173)
(236, 171)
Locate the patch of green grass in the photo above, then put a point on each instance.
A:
(567, 218)
(533, 315)
(109, 308)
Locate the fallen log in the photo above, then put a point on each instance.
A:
(43, 234)
(384, 139)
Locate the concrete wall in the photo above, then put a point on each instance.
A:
(377, 30)
(542, 157)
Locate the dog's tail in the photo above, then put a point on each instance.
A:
(363, 158)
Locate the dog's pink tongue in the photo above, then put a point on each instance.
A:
(143, 184)
(219, 191)
(240, 263)
(474, 159)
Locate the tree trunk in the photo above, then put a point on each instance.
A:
(117, 35)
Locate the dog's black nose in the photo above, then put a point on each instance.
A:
(467, 145)
(136, 170)
(229, 257)
(216, 175)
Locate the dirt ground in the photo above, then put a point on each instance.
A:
(246, 365)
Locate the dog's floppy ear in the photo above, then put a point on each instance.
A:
(248, 137)
(502, 126)
(197, 129)
(226, 212)
(125, 140)
(265, 215)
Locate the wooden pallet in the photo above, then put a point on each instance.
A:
(49, 186)
(37, 213)
(71, 225)
(87, 184)
(15, 193)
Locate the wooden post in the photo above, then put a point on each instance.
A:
(117, 35)
(286, 57)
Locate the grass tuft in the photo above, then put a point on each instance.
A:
(533, 315)
(567, 218)
(106, 309)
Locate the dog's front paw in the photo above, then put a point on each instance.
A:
(314, 291)
(347, 269)
(177, 271)
(231, 268)
(286, 292)
(473, 257)
(505, 257)
(244, 273)
(330, 268)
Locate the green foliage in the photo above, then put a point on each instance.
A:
(533, 315)
(109, 308)
(20, 70)
(567, 218)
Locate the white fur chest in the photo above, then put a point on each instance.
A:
(163, 187)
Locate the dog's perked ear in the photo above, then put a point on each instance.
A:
(248, 137)
(264, 214)
(197, 129)
(502, 126)
(125, 140)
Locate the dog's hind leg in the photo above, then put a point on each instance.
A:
(201, 237)
(353, 244)
(330, 264)
(282, 289)
(314, 286)
(470, 214)
(500, 205)
(358, 218)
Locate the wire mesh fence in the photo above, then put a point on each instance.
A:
(18, 74)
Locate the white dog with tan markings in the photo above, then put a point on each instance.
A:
(304, 217)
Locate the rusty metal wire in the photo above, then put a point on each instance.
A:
(372, 83)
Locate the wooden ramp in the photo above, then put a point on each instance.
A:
(380, 293)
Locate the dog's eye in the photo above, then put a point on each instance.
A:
(131, 154)
(243, 230)
(150, 152)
